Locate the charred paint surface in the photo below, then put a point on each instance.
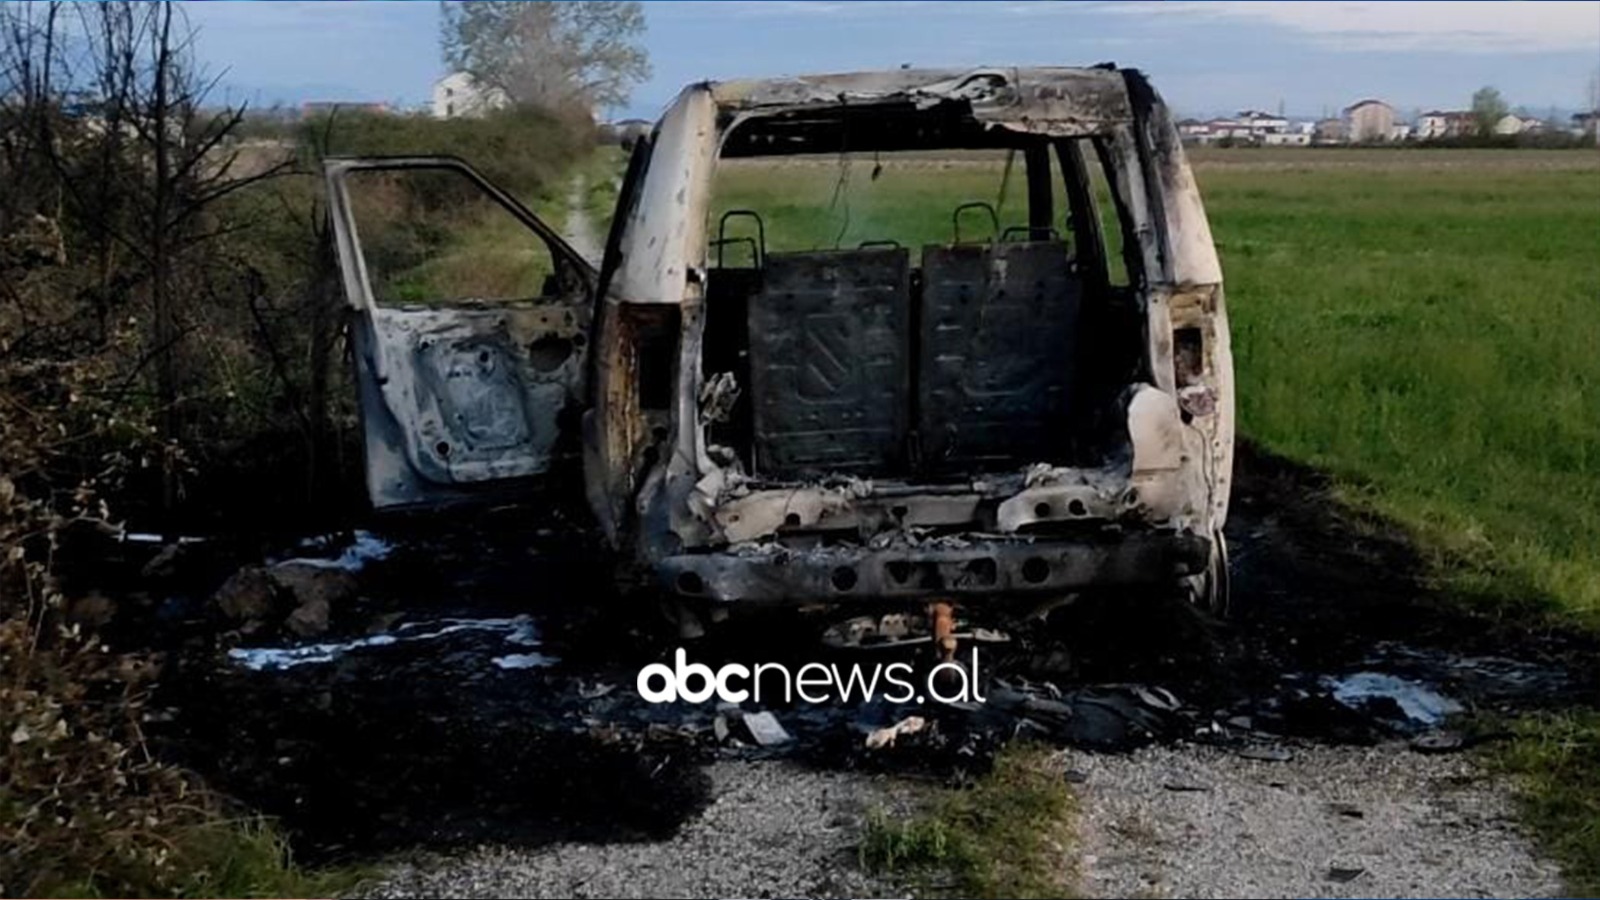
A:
(459, 395)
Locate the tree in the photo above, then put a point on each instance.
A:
(111, 142)
(1488, 108)
(564, 57)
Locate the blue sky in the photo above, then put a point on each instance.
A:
(1206, 57)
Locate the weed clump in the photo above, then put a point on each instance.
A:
(1007, 835)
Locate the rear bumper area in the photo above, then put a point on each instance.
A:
(991, 568)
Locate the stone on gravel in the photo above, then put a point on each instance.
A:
(303, 596)
(309, 619)
(249, 595)
(1439, 742)
(307, 583)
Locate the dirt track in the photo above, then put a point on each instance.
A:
(486, 779)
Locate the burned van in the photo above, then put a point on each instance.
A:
(923, 335)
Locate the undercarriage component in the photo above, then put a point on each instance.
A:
(944, 629)
(896, 631)
(983, 568)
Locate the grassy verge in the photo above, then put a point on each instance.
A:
(602, 173)
(226, 858)
(1008, 835)
(1555, 761)
(85, 808)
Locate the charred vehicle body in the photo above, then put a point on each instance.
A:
(1031, 409)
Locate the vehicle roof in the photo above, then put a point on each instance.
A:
(1036, 94)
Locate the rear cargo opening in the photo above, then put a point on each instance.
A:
(920, 315)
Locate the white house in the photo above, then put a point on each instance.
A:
(1297, 138)
(1433, 124)
(1368, 120)
(458, 94)
(1250, 126)
(1328, 131)
(1263, 123)
(1446, 124)
(1515, 124)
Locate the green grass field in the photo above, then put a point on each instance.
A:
(1422, 324)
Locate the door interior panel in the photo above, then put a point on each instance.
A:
(460, 393)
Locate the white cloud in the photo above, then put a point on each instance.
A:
(1505, 26)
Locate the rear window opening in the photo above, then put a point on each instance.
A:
(917, 314)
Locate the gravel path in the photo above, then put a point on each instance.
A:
(1331, 822)
(1184, 821)
(773, 830)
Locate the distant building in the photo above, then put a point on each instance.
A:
(1249, 127)
(1515, 124)
(1436, 124)
(1368, 120)
(1263, 123)
(1228, 129)
(1297, 138)
(1586, 124)
(459, 95)
(1328, 131)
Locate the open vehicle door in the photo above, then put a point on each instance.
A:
(470, 328)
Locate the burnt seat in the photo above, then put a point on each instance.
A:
(998, 336)
(830, 362)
